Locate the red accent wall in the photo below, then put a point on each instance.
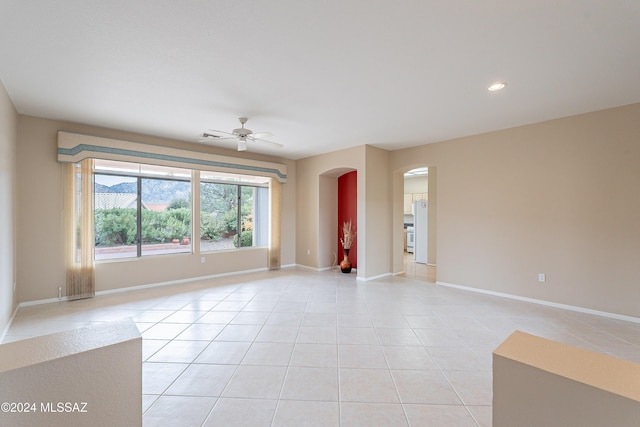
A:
(348, 210)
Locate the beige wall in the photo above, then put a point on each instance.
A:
(377, 223)
(418, 184)
(8, 143)
(328, 220)
(40, 226)
(289, 217)
(559, 197)
(432, 225)
(317, 209)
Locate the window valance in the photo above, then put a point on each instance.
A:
(73, 148)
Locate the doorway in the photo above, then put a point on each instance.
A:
(419, 224)
(417, 271)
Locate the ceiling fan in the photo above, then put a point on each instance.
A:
(241, 134)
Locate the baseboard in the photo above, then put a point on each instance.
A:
(335, 268)
(42, 301)
(307, 267)
(180, 281)
(150, 285)
(6, 329)
(545, 303)
(379, 276)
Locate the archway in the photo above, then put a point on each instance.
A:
(415, 199)
(338, 202)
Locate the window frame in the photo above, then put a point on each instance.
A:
(239, 184)
(196, 178)
(139, 177)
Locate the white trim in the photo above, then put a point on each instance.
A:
(320, 269)
(288, 266)
(151, 285)
(398, 273)
(379, 276)
(545, 303)
(42, 301)
(307, 267)
(6, 329)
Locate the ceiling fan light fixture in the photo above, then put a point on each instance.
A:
(497, 86)
(242, 132)
(241, 135)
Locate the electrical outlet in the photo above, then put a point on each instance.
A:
(203, 260)
(542, 277)
(308, 251)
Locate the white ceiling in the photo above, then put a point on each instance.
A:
(320, 75)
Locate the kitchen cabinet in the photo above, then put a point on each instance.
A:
(409, 199)
(408, 203)
(419, 196)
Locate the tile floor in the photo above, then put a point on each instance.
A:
(298, 347)
(416, 270)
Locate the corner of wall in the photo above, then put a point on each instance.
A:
(8, 215)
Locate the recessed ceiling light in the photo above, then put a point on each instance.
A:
(497, 86)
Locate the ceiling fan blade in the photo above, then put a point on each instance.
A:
(241, 135)
(215, 135)
(226, 138)
(219, 134)
(261, 135)
(211, 138)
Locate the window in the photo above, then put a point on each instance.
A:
(140, 210)
(234, 211)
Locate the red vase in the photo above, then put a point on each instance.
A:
(345, 264)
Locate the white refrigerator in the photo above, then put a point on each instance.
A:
(420, 220)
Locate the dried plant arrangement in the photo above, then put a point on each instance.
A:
(348, 235)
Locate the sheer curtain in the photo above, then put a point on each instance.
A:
(275, 205)
(78, 217)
